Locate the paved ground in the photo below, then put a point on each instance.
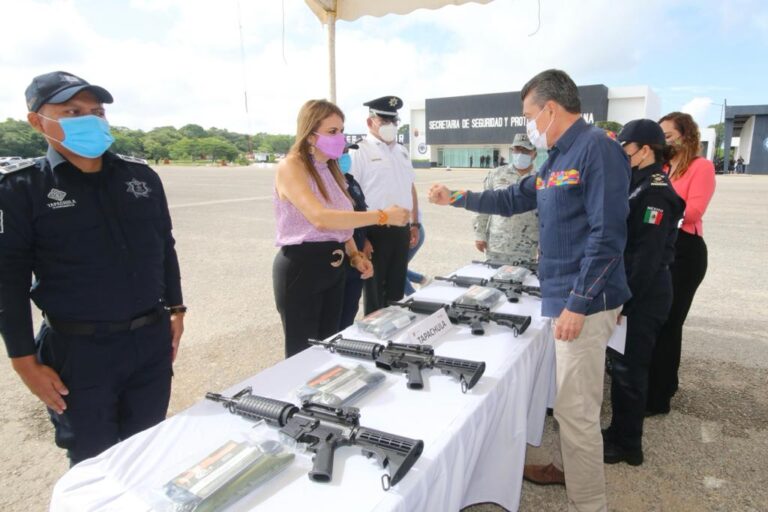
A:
(707, 455)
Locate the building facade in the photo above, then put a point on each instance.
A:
(476, 131)
(750, 124)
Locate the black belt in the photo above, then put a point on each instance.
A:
(91, 329)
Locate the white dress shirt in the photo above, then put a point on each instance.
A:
(384, 172)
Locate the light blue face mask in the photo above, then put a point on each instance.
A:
(345, 163)
(521, 160)
(87, 136)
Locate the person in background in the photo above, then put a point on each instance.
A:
(693, 178)
(411, 276)
(315, 221)
(655, 210)
(353, 286)
(581, 193)
(383, 169)
(510, 239)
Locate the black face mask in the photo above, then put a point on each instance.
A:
(634, 167)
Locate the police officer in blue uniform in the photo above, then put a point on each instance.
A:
(94, 229)
(353, 285)
(655, 212)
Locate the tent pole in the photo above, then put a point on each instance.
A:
(332, 54)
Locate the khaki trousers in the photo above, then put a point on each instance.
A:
(580, 365)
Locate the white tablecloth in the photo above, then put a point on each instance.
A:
(474, 443)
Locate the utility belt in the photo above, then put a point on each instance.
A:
(389, 226)
(102, 328)
(313, 253)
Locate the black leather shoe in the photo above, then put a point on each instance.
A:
(613, 454)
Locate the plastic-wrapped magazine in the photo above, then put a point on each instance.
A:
(385, 322)
(511, 274)
(339, 385)
(225, 476)
(481, 296)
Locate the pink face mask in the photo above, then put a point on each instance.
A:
(331, 145)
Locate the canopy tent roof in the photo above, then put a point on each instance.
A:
(350, 10)
(328, 11)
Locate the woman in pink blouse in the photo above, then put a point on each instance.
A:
(315, 221)
(693, 178)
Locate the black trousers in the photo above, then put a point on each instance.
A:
(353, 290)
(390, 263)
(688, 272)
(308, 291)
(629, 371)
(119, 384)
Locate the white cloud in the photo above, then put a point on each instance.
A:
(699, 108)
(191, 70)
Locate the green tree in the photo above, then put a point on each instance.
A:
(238, 139)
(610, 125)
(185, 148)
(277, 143)
(127, 141)
(18, 138)
(164, 135)
(217, 149)
(193, 131)
(153, 150)
(158, 142)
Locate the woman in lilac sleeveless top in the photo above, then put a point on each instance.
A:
(315, 220)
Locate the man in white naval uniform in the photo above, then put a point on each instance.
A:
(383, 169)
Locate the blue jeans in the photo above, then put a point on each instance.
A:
(412, 276)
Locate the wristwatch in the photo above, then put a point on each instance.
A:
(177, 309)
(415, 224)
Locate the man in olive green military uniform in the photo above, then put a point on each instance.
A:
(509, 239)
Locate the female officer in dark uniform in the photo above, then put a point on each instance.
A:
(353, 286)
(654, 215)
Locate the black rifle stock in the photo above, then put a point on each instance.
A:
(407, 359)
(512, 290)
(474, 316)
(324, 429)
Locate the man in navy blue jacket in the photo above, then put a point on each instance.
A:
(581, 193)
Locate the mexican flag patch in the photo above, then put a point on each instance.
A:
(653, 215)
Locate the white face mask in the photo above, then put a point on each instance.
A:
(388, 132)
(521, 161)
(538, 139)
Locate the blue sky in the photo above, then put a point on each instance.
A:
(178, 61)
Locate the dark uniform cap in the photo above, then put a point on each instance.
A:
(386, 106)
(59, 87)
(642, 131)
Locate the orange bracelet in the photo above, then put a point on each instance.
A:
(383, 217)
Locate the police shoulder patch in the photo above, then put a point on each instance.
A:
(131, 159)
(18, 166)
(658, 180)
(27, 163)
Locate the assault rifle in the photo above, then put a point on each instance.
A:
(533, 266)
(408, 359)
(324, 429)
(512, 290)
(474, 316)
